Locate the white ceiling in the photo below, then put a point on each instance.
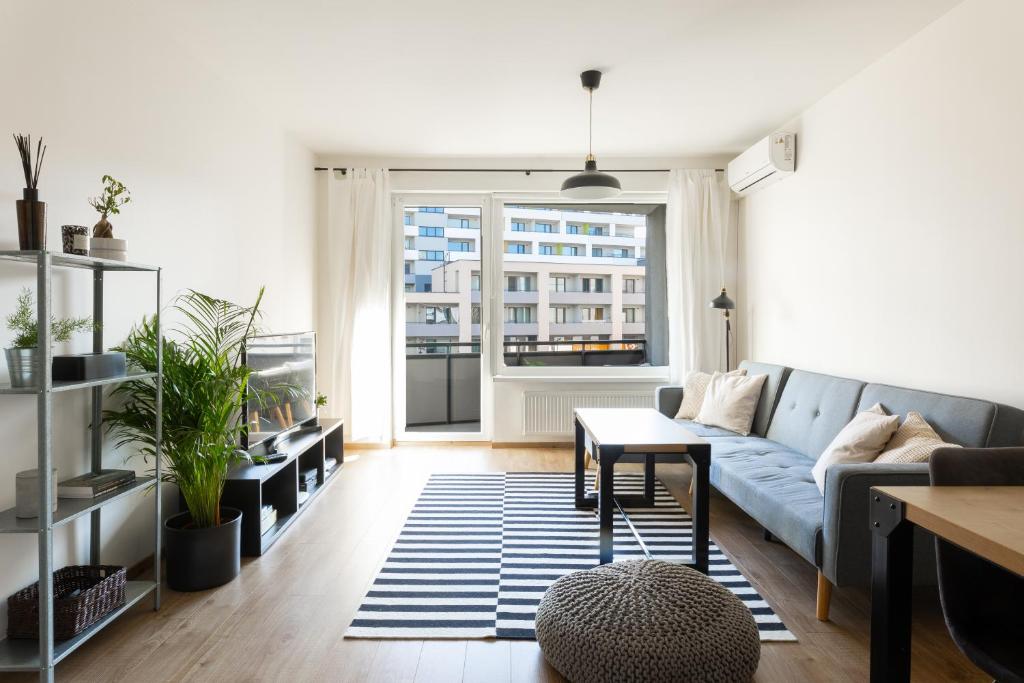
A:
(483, 78)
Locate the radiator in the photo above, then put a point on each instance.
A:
(550, 412)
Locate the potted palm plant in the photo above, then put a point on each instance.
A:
(204, 385)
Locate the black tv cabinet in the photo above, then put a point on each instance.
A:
(249, 487)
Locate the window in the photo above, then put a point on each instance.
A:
(408, 267)
(431, 255)
(517, 314)
(459, 246)
(474, 282)
(440, 315)
(410, 287)
(459, 223)
(581, 294)
(475, 314)
(432, 209)
(428, 287)
(407, 219)
(427, 231)
(410, 242)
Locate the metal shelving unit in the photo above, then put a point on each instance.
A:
(42, 656)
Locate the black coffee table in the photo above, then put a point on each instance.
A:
(639, 435)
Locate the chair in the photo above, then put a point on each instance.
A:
(983, 603)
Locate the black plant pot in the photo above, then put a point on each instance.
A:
(198, 559)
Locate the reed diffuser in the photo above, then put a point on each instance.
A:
(31, 211)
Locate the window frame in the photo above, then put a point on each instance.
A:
(496, 250)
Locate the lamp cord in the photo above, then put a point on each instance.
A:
(590, 125)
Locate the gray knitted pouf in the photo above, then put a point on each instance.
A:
(646, 620)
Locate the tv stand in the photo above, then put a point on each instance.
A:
(250, 486)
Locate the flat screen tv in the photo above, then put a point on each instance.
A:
(281, 394)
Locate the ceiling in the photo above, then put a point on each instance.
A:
(483, 78)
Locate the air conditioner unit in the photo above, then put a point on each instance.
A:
(771, 159)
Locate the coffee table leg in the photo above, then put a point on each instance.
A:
(580, 468)
(606, 503)
(649, 480)
(700, 512)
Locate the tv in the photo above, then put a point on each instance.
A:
(281, 392)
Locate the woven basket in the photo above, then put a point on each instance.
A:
(81, 596)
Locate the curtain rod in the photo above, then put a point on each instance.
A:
(527, 171)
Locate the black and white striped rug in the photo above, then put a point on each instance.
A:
(478, 551)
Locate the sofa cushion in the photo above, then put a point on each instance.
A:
(965, 421)
(731, 401)
(705, 431)
(812, 409)
(772, 484)
(776, 379)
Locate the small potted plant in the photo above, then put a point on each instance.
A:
(204, 395)
(109, 203)
(321, 402)
(22, 356)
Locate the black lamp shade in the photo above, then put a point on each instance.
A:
(723, 301)
(591, 184)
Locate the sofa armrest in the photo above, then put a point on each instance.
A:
(667, 400)
(846, 532)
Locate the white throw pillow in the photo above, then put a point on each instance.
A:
(914, 441)
(694, 388)
(861, 440)
(731, 401)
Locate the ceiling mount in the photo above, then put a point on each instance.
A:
(591, 183)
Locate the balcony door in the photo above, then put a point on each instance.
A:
(440, 388)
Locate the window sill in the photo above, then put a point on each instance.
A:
(584, 379)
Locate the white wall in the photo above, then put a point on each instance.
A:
(894, 253)
(222, 199)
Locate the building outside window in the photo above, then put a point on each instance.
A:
(475, 314)
(593, 284)
(518, 283)
(474, 282)
(597, 231)
(571, 250)
(592, 313)
(558, 284)
(432, 209)
(571, 229)
(543, 227)
(515, 248)
(629, 285)
(459, 246)
(429, 231)
(631, 315)
(559, 314)
(431, 255)
(597, 251)
(518, 226)
(408, 267)
(407, 219)
(547, 250)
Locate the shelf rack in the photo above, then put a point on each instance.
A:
(43, 655)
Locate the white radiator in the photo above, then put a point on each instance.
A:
(550, 412)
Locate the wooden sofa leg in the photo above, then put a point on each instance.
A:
(824, 597)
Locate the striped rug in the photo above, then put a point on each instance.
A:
(478, 551)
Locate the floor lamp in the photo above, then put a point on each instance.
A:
(725, 304)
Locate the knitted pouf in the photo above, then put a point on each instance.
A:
(646, 620)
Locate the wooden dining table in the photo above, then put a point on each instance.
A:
(985, 520)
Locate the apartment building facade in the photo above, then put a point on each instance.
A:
(567, 276)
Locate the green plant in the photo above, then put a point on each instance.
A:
(204, 385)
(111, 200)
(23, 323)
(321, 400)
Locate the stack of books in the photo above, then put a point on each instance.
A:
(95, 484)
(330, 464)
(268, 518)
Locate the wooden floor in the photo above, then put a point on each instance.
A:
(283, 618)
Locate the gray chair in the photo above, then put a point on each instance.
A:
(983, 603)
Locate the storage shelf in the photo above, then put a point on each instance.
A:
(59, 259)
(68, 509)
(6, 388)
(18, 654)
(282, 524)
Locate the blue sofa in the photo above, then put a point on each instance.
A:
(768, 473)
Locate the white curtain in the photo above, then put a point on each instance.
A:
(700, 243)
(355, 281)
